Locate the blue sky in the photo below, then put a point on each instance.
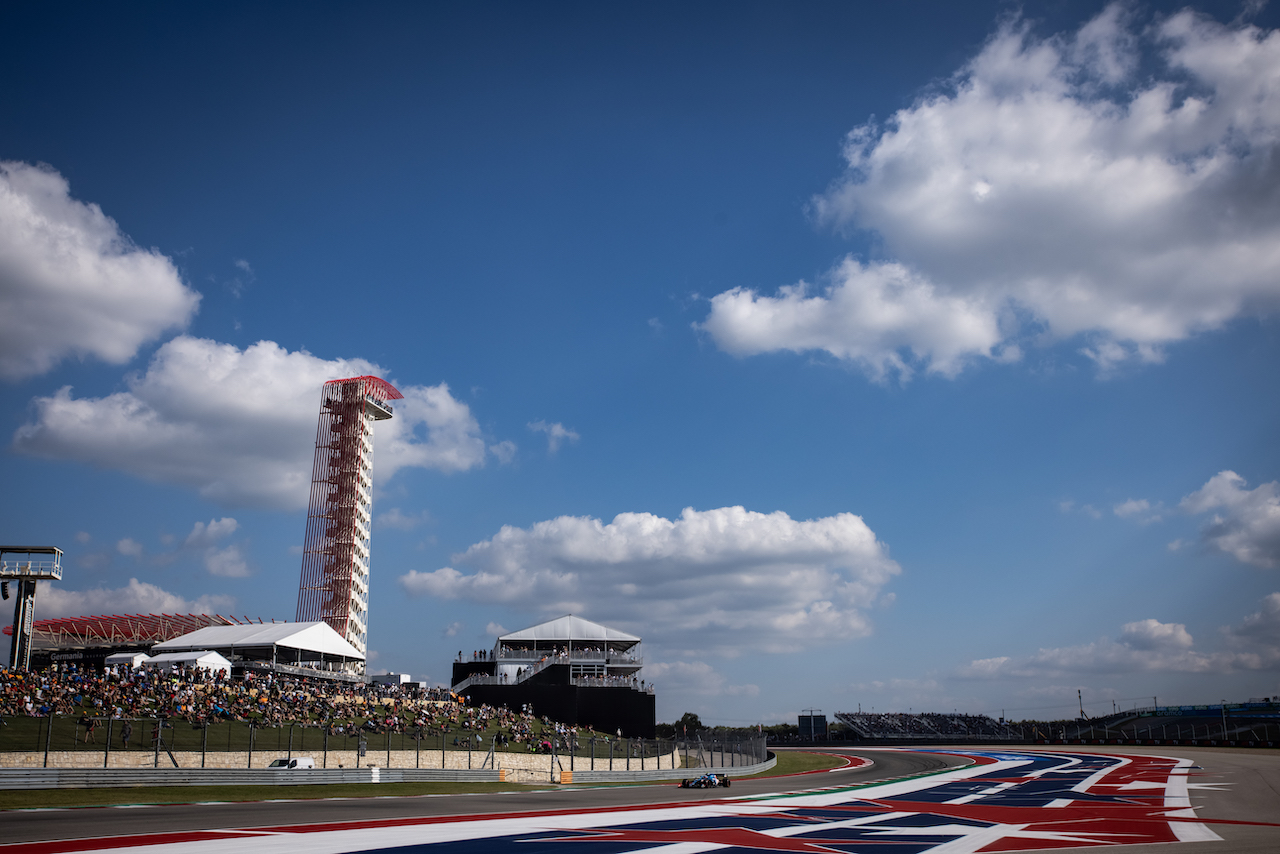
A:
(913, 355)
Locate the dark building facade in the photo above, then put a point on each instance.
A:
(571, 670)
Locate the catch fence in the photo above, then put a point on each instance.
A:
(69, 741)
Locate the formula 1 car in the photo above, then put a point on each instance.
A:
(706, 781)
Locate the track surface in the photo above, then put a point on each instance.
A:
(1203, 799)
(31, 825)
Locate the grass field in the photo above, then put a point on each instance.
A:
(789, 762)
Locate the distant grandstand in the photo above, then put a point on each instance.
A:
(925, 726)
(1254, 723)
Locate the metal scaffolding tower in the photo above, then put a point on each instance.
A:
(38, 563)
(335, 552)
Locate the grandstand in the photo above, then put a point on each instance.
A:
(1256, 722)
(89, 640)
(925, 726)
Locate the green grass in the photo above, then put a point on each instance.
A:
(793, 762)
(30, 798)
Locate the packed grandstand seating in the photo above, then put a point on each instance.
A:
(199, 696)
(922, 725)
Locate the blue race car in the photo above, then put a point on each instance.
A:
(706, 781)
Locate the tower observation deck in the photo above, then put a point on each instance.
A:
(335, 551)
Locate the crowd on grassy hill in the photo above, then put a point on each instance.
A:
(200, 697)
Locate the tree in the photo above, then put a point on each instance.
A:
(689, 723)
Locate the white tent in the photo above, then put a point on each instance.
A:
(132, 659)
(570, 628)
(315, 637)
(203, 658)
(301, 649)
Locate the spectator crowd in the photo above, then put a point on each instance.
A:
(201, 697)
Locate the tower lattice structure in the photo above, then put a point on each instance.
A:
(335, 551)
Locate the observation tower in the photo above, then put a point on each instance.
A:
(335, 551)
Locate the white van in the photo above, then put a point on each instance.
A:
(300, 762)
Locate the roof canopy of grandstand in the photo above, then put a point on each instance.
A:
(570, 630)
(299, 649)
(122, 630)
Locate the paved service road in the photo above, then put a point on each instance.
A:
(910, 802)
(31, 826)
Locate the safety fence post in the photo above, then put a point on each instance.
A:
(106, 751)
(48, 736)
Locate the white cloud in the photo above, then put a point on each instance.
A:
(71, 283)
(504, 451)
(1054, 188)
(452, 629)
(239, 426)
(226, 563)
(556, 434)
(725, 580)
(1132, 507)
(1248, 524)
(1256, 641)
(697, 678)
(137, 597)
(1144, 646)
(129, 548)
(1139, 508)
(203, 535)
(495, 629)
(867, 314)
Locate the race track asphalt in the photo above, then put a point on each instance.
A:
(43, 825)
(1236, 793)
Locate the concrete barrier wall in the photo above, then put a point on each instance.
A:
(519, 767)
(673, 774)
(87, 778)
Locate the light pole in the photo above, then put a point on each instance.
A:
(1224, 720)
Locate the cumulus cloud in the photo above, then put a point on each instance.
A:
(557, 433)
(696, 678)
(239, 426)
(1255, 643)
(727, 579)
(203, 535)
(228, 562)
(1144, 646)
(504, 451)
(1247, 522)
(137, 597)
(72, 284)
(1138, 508)
(129, 547)
(1132, 507)
(1053, 189)
(869, 314)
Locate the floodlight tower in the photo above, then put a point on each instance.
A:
(39, 563)
(335, 551)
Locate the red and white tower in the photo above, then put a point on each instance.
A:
(335, 551)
